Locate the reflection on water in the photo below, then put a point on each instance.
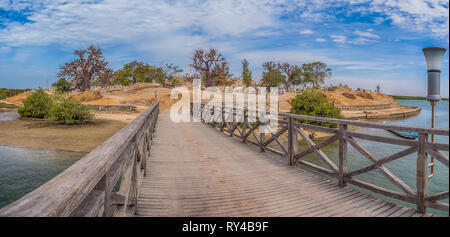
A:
(8, 115)
(24, 169)
(405, 167)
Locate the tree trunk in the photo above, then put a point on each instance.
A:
(209, 80)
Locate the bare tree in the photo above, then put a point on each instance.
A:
(211, 64)
(270, 65)
(378, 89)
(89, 66)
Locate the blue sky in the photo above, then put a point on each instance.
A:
(365, 42)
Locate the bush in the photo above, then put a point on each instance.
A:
(313, 103)
(62, 85)
(36, 105)
(69, 111)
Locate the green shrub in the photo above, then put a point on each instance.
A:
(313, 103)
(62, 85)
(36, 105)
(69, 111)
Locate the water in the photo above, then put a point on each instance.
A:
(8, 115)
(24, 169)
(405, 167)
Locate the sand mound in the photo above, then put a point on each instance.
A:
(102, 101)
(344, 96)
(88, 96)
(349, 95)
(18, 99)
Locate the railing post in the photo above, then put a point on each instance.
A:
(108, 189)
(244, 125)
(342, 155)
(262, 136)
(422, 176)
(292, 141)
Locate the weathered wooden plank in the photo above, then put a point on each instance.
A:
(376, 138)
(321, 155)
(422, 173)
(437, 196)
(317, 128)
(438, 156)
(380, 190)
(382, 161)
(385, 172)
(342, 155)
(317, 146)
(443, 206)
(91, 206)
(435, 131)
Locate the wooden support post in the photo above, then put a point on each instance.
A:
(244, 125)
(262, 136)
(108, 189)
(422, 176)
(292, 141)
(342, 155)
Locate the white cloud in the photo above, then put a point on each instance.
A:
(75, 22)
(339, 38)
(306, 32)
(320, 40)
(367, 34)
(419, 15)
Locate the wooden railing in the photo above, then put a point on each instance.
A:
(289, 123)
(106, 182)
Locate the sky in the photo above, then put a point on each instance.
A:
(365, 43)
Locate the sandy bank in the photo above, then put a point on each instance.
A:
(46, 134)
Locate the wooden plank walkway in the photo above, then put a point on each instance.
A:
(194, 170)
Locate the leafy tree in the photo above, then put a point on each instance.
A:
(211, 64)
(131, 73)
(316, 73)
(297, 77)
(69, 111)
(36, 105)
(155, 73)
(273, 78)
(62, 85)
(312, 102)
(293, 74)
(170, 71)
(246, 74)
(88, 67)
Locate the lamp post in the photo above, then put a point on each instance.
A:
(434, 57)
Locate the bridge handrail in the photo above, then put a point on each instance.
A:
(292, 125)
(88, 187)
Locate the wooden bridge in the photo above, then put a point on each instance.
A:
(154, 167)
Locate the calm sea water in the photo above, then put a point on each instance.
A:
(24, 169)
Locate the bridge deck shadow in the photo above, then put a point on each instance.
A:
(193, 170)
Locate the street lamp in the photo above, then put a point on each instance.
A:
(434, 57)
